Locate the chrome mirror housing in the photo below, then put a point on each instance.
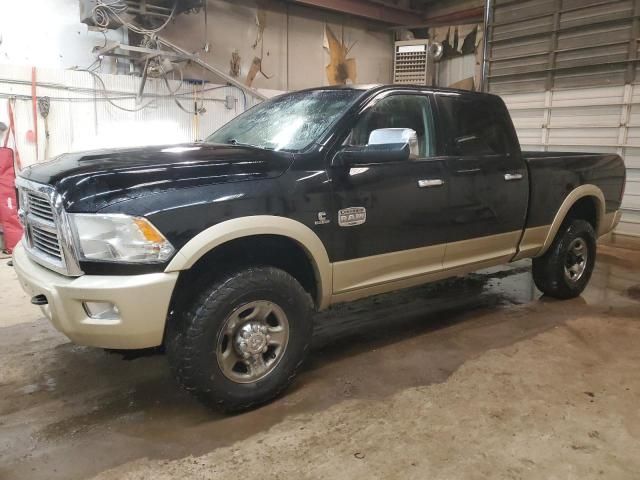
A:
(390, 136)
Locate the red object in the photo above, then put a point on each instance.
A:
(11, 227)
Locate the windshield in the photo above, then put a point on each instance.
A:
(288, 122)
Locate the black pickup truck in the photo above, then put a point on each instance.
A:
(221, 250)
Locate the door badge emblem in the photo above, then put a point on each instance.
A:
(322, 218)
(349, 217)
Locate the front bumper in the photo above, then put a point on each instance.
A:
(142, 301)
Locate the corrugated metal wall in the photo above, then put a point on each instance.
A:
(567, 71)
(452, 70)
(81, 118)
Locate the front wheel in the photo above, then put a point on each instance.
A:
(565, 269)
(243, 340)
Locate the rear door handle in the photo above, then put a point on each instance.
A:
(434, 182)
(512, 176)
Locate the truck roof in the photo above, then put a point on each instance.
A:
(376, 87)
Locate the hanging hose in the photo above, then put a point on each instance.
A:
(34, 103)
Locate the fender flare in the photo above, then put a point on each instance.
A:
(578, 193)
(241, 227)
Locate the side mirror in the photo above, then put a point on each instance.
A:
(386, 136)
(385, 145)
(363, 155)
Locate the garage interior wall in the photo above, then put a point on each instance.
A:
(567, 70)
(453, 70)
(81, 117)
(288, 38)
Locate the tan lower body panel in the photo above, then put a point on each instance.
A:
(500, 247)
(362, 277)
(532, 241)
(536, 238)
(609, 222)
(380, 269)
(351, 295)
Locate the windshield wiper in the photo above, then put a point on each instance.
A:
(233, 141)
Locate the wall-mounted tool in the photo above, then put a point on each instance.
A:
(44, 105)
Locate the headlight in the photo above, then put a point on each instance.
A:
(119, 238)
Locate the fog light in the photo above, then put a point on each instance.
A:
(101, 310)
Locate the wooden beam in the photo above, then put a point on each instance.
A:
(366, 9)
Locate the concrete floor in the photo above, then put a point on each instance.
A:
(469, 378)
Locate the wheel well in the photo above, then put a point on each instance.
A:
(273, 250)
(586, 209)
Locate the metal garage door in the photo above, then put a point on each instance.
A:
(567, 71)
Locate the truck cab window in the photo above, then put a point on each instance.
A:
(397, 111)
(474, 128)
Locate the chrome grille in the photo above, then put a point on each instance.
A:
(41, 232)
(47, 236)
(45, 241)
(39, 207)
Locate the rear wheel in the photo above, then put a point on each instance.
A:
(565, 269)
(243, 340)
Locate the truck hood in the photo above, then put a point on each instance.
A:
(90, 181)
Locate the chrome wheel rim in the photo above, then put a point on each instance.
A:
(576, 261)
(252, 341)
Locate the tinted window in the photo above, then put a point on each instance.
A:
(474, 126)
(397, 111)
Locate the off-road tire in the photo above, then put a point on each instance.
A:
(549, 269)
(191, 338)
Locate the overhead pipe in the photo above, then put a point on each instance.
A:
(470, 15)
(216, 71)
(488, 6)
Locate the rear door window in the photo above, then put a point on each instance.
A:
(473, 126)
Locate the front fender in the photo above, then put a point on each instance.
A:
(241, 227)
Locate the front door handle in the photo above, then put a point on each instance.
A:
(512, 176)
(434, 182)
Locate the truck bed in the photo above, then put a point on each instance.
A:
(554, 174)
